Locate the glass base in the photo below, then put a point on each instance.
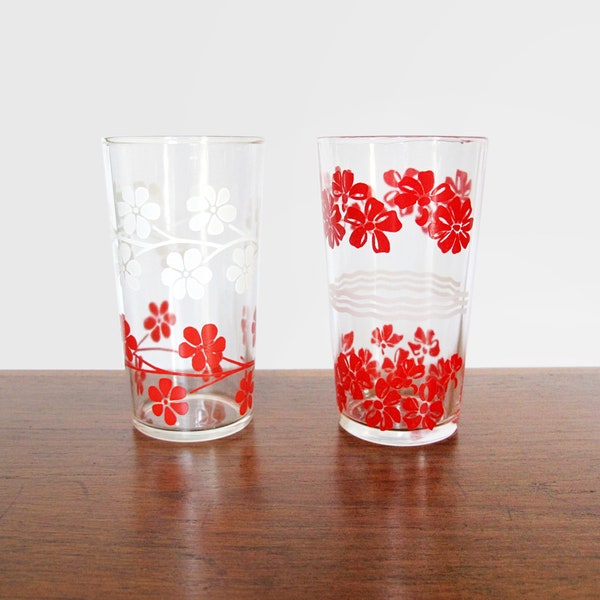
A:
(204, 435)
(396, 437)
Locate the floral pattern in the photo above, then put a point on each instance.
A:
(451, 225)
(129, 268)
(243, 269)
(187, 270)
(244, 394)
(248, 327)
(212, 210)
(206, 348)
(405, 388)
(160, 320)
(170, 360)
(442, 210)
(135, 212)
(186, 274)
(372, 221)
(167, 400)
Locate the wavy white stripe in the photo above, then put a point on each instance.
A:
(400, 295)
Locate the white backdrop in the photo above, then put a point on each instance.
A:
(523, 73)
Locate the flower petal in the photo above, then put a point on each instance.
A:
(233, 273)
(209, 332)
(181, 408)
(179, 288)
(165, 385)
(227, 213)
(194, 288)
(178, 393)
(123, 208)
(170, 418)
(141, 195)
(358, 238)
(196, 204)
(192, 258)
(175, 261)
(155, 395)
(209, 195)
(223, 197)
(202, 274)
(392, 178)
(150, 211)
(215, 227)
(129, 223)
(198, 222)
(380, 242)
(143, 228)
(170, 276)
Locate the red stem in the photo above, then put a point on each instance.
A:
(217, 376)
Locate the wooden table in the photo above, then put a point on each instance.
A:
(293, 507)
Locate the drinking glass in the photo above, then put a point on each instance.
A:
(401, 216)
(185, 216)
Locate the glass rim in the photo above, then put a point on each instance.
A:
(182, 139)
(349, 139)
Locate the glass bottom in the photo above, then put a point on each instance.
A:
(209, 417)
(396, 437)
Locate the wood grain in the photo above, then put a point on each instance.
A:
(293, 507)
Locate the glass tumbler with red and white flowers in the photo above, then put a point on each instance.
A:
(184, 214)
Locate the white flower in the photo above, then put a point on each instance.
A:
(186, 275)
(242, 271)
(135, 211)
(212, 210)
(129, 268)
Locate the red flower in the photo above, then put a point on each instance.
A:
(355, 372)
(244, 395)
(415, 188)
(252, 340)
(455, 365)
(139, 376)
(460, 185)
(332, 221)
(204, 348)
(343, 187)
(130, 344)
(410, 189)
(159, 321)
(347, 341)
(383, 411)
(426, 410)
(425, 343)
(446, 370)
(340, 394)
(167, 400)
(385, 337)
(374, 221)
(407, 371)
(451, 225)
(430, 390)
(421, 414)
